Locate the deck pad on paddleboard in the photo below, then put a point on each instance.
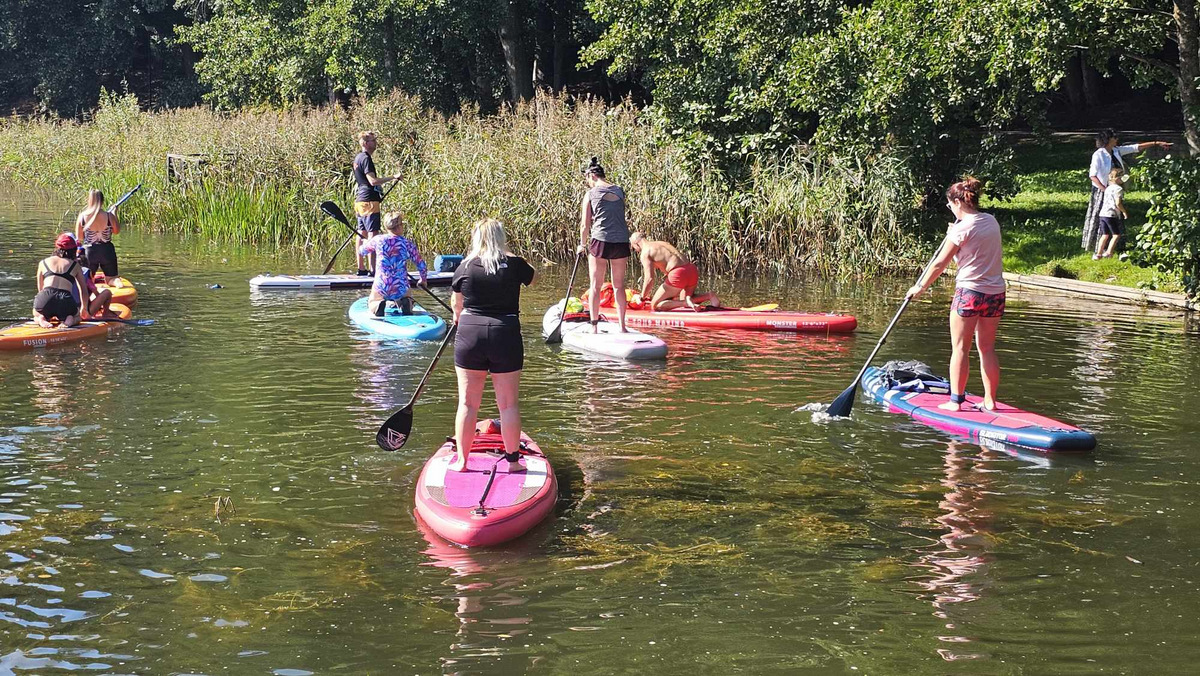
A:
(1006, 424)
(420, 325)
(521, 495)
(728, 318)
(30, 336)
(608, 339)
(269, 282)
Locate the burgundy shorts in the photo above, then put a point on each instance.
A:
(968, 303)
(608, 250)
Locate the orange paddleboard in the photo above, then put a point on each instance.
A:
(30, 336)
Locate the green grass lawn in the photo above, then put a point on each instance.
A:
(1043, 223)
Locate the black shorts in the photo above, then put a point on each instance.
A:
(608, 250)
(370, 223)
(490, 344)
(102, 256)
(54, 303)
(1112, 225)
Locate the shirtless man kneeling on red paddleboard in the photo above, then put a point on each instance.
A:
(680, 275)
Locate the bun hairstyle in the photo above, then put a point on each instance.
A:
(1104, 136)
(593, 168)
(966, 191)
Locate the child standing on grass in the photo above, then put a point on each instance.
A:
(1112, 216)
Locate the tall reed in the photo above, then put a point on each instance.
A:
(267, 170)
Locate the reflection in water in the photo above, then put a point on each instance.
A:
(962, 551)
(483, 588)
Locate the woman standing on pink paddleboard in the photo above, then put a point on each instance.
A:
(973, 242)
(487, 300)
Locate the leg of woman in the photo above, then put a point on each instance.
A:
(41, 320)
(470, 393)
(618, 280)
(961, 331)
(99, 305)
(72, 320)
(597, 268)
(376, 303)
(989, 363)
(508, 387)
(1112, 246)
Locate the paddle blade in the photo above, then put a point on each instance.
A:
(335, 212)
(765, 307)
(393, 434)
(841, 406)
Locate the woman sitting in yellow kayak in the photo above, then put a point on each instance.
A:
(60, 286)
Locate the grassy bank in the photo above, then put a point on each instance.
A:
(1044, 222)
(270, 169)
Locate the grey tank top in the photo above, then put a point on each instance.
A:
(608, 216)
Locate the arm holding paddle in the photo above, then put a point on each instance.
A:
(585, 224)
(647, 273)
(935, 269)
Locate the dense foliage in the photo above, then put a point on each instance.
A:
(1169, 241)
(268, 169)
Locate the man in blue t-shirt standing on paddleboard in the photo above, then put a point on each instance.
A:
(367, 198)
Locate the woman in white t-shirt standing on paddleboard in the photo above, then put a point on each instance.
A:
(973, 242)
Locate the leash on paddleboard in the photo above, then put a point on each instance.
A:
(842, 406)
(118, 320)
(556, 335)
(393, 434)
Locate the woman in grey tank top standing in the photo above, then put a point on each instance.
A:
(605, 235)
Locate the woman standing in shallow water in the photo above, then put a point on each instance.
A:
(973, 242)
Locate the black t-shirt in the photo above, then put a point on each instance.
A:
(363, 165)
(498, 294)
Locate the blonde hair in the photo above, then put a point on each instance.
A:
(95, 204)
(488, 244)
(393, 221)
(1116, 174)
(364, 135)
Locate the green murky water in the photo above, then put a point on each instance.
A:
(704, 525)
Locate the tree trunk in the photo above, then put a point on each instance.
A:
(544, 65)
(1091, 84)
(562, 27)
(1189, 70)
(517, 63)
(1073, 84)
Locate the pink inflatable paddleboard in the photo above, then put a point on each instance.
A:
(463, 508)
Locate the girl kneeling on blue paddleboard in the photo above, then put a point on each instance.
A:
(393, 252)
(487, 301)
(973, 242)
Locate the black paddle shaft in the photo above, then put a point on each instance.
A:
(335, 212)
(393, 433)
(556, 335)
(124, 197)
(845, 401)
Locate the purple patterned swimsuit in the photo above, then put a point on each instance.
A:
(391, 271)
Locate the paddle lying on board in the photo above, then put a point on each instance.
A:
(393, 434)
(335, 212)
(845, 401)
(556, 335)
(113, 208)
(131, 322)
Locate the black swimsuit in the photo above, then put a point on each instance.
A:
(55, 303)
